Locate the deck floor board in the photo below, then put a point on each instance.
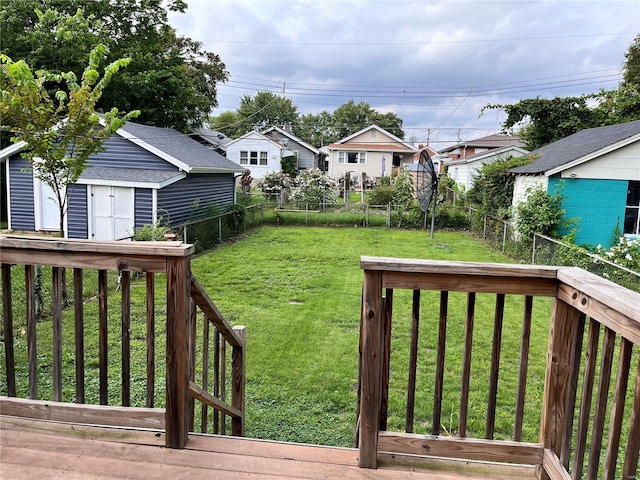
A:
(36, 449)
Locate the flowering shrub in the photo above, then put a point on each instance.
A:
(311, 187)
(626, 253)
(274, 182)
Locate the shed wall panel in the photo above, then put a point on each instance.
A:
(77, 214)
(143, 207)
(22, 202)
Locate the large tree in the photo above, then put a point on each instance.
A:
(61, 130)
(171, 79)
(540, 121)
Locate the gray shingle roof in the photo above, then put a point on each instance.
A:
(576, 146)
(129, 174)
(497, 140)
(180, 146)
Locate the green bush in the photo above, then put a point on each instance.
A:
(150, 233)
(540, 213)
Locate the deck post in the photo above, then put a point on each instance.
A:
(238, 367)
(177, 372)
(565, 322)
(371, 374)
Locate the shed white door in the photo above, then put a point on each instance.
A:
(49, 211)
(113, 212)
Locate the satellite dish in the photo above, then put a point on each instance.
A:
(426, 185)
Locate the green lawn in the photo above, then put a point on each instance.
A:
(298, 290)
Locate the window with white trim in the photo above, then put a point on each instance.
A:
(352, 157)
(253, 158)
(263, 158)
(244, 157)
(632, 210)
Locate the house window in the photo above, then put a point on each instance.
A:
(244, 157)
(632, 211)
(253, 158)
(352, 157)
(263, 158)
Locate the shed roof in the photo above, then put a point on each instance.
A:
(585, 144)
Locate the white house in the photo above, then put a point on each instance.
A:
(257, 152)
(465, 169)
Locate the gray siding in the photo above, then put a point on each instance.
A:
(122, 153)
(143, 207)
(306, 158)
(77, 214)
(192, 196)
(22, 205)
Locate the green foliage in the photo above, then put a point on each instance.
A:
(540, 213)
(274, 183)
(311, 188)
(152, 232)
(381, 195)
(172, 79)
(626, 253)
(405, 189)
(61, 130)
(492, 189)
(289, 165)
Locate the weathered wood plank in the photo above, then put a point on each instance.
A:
(413, 361)
(103, 341)
(126, 338)
(439, 380)
(599, 417)
(552, 466)
(7, 319)
(386, 360)
(586, 398)
(467, 448)
(209, 308)
(216, 377)
(78, 315)
(196, 391)
(466, 364)
(617, 410)
(495, 366)
(371, 375)
(151, 339)
(630, 466)
(618, 315)
(177, 351)
(523, 367)
(89, 414)
(205, 373)
(57, 301)
(536, 286)
(29, 280)
(238, 381)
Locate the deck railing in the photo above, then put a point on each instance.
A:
(574, 439)
(99, 276)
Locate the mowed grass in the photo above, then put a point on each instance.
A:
(298, 291)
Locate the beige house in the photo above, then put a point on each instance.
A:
(372, 151)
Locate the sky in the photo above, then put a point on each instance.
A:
(435, 64)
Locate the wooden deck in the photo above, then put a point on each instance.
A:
(39, 449)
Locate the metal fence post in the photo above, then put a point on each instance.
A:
(306, 215)
(533, 251)
(220, 229)
(484, 231)
(388, 215)
(504, 237)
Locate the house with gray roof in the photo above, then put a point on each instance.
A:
(145, 174)
(598, 172)
(479, 145)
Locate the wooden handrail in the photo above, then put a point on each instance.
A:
(578, 298)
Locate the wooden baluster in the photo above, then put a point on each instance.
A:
(78, 314)
(617, 410)
(192, 361)
(564, 326)
(466, 364)
(102, 337)
(57, 333)
(151, 339)
(384, 403)
(413, 361)
(572, 392)
(205, 372)
(608, 344)
(439, 381)
(495, 366)
(177, 370)
(7, 312)
(126, 338)
(216, 378)
(523, 367)
(372, 367)
(630, 467)
(29, 280)
(223, 382)
(586, 398)
(238, 368)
